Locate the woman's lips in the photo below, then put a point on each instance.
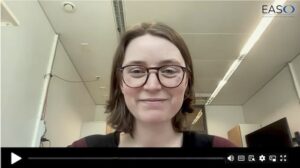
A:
(153, 102)
(153, 99)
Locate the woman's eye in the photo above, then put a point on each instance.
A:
(137, 71)
(169, 71)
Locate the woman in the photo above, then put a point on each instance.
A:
(151, 90)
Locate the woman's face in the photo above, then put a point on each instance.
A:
(152, 102)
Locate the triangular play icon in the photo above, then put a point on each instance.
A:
(14, 158)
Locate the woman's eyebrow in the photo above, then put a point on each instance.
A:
(171, 61)
(164, 62)
(135, 63)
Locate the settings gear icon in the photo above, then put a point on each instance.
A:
(262, 158)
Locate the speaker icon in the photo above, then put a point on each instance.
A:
(230, 158)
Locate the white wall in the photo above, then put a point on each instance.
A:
(25, 52)
(276, 100)
(98, 126)
(99, 114)
(1, 107)
(295, 72)
(93, 127)
(68, 104)
(220, 119)
(296, 63)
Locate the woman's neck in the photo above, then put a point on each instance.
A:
(152, 135)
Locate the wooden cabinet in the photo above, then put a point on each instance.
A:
(237, 134)
(234, 135)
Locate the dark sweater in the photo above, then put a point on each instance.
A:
(190, 139)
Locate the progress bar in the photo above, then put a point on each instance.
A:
(125, 158)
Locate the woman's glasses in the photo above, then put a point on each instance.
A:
(169, 76)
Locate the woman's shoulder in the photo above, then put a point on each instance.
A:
(97, 140)
(195, 139)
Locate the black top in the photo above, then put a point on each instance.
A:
(190, 139)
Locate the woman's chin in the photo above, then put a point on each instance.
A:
(154, 118)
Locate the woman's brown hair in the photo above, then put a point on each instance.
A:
(119, 116)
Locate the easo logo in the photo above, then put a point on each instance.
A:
(286, 10)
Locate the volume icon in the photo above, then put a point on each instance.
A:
(230, 158)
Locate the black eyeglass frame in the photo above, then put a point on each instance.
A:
(184, 69)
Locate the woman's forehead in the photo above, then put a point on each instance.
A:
(152, 50)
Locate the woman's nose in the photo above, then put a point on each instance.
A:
(152, 82)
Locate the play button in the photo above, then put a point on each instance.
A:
(14, 158)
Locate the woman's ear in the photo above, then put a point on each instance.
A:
(121, 87)
(187, 89)
(187, 92)
(187, 80)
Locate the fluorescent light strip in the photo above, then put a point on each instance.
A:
(232, 68)
(197, 117)
(214, 94)
(260, 28)
(263, 24)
